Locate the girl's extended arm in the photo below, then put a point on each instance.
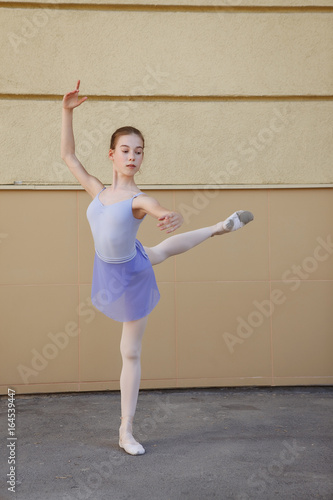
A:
(90, 183)
(169, 220)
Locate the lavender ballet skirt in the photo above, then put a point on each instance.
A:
(125, 291)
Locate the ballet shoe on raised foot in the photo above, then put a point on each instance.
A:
(235, 221)
(132, 447)
(238, 220)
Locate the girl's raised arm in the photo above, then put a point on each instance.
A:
(90, 183)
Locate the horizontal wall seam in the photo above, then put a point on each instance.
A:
(82, 283)
(176, 282)
(167, 98)
(169, 8)
(165, 187)
(246, 377)
(169, 378)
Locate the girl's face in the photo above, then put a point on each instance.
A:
(127, 155)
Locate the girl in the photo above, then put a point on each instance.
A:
(123, 284)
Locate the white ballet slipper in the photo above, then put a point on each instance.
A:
(126, 439)
(237, 220)
(133, 447)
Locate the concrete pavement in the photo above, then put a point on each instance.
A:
(223, 443)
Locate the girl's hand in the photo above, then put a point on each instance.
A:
(71, 99)
(171, 222)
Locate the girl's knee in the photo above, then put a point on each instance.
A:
(130, 353)
(131, 339)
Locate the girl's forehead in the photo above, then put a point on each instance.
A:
(132, 140)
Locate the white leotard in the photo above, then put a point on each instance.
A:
(114, 229)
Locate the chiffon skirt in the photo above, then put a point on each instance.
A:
(125, 291)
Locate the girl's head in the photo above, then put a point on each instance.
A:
(125, 131)
(126, 150)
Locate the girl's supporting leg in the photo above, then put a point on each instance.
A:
(180, 243)
(130, 348)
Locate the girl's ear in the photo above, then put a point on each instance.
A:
(111, 154)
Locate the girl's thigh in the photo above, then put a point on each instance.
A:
(156, 254)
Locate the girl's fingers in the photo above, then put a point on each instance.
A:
(71, 93)
(170, 222)
(169, 228)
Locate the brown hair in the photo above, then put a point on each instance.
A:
(124, 131)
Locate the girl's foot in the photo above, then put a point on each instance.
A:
(234, 222)
(130, 445)
(126, 439)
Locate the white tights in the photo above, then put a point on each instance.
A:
(179, 243)
(130, 348)
(133, 331)
(130, 345)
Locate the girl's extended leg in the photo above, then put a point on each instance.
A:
(180, 243)
(130, 348)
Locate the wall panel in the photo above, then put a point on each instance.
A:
(169, 53)
(187, 143)
(223, 320)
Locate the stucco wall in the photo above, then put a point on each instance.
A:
(236, 96)
(235, 101)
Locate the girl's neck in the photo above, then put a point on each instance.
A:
(123, 183)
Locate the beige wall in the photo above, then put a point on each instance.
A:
(222, 95)
(234, 95)
(187, 143)
(250, 308)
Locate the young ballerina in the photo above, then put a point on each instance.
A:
(124, 286)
